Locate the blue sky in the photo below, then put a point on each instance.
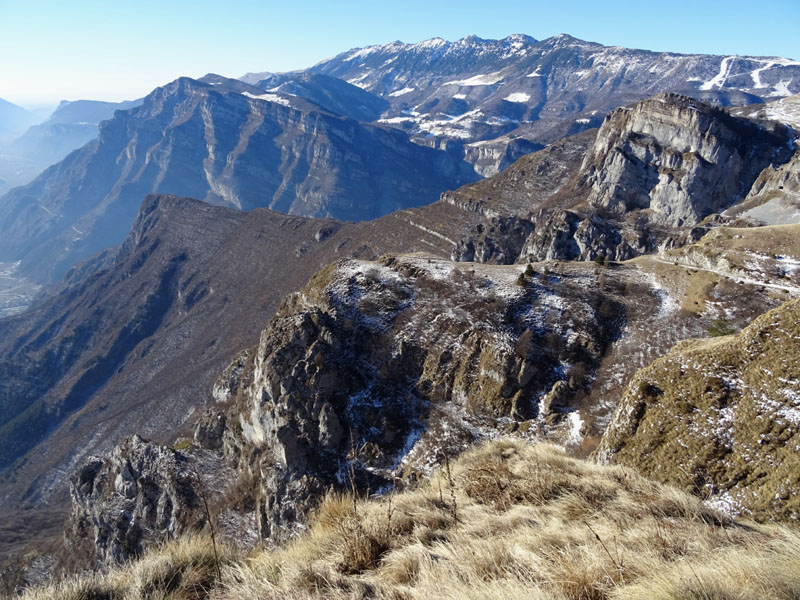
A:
(109, 50)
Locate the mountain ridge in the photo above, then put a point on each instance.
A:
(216, 142)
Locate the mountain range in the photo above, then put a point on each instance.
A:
(133, 326)
(27, 152)
(477, 105)
(533, 227)
(224, 143)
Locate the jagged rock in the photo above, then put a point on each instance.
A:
(229, 382)
(656, 169)
(491, 157)
(555, 240)
(652, 178)
(499, 241)
(678, 157)
(774, 198)
(138, 494)
(362, 368)
(557, 399)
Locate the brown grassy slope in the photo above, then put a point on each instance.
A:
(721, 417)
(507, 520)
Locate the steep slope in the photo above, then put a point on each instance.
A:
(506, 520)
(363, 368)
(363, 364)
(473, 90)
(489, 222)
(14, 169)
(720, 417)
(365, 358)
(775, 197)
(226, 143)
(134, 338)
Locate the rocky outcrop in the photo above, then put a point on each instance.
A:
(656, 177)
(492, 156)
(720, 417)
(137, 495)
(680, 158)
(499, 241)
(363, 377)
(774, 198)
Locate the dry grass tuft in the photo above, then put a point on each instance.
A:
(530, 523)
(184, 570)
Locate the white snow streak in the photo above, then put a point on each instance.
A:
(269, 98)
(517, 97)
(486, 79)
(720, 78)
(402, 92)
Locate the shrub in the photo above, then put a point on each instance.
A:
(720, 327)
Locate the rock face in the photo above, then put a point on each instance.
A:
(138, 494)
(133, 339)
(774, 198)
(375, 368)
(678, 158)
(363, 374)
(226, 143)
(720, 417)
(654, 172)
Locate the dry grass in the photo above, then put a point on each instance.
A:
(529, 522)
(182, 570)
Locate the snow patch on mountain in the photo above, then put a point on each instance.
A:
(785, 111)
(518, 97)
(485, 79)
(720, 78)
(781, 88)
(405, 90)
(269, 98)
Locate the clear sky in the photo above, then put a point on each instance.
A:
(111, 50)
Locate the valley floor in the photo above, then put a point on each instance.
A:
(16, 293)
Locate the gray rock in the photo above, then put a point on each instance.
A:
(137, 495)
(209, 430)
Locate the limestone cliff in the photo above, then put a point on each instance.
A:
(681, 159)
(121, 500)
(656, 175)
